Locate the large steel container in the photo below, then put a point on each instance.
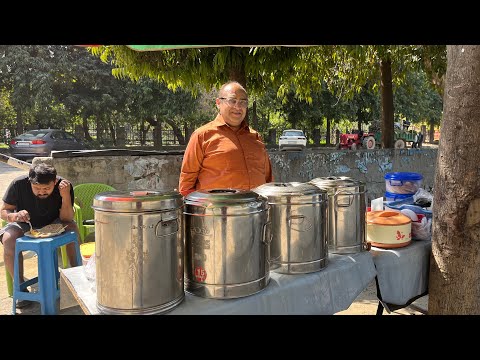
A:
(298, 213)
(226, 254)
(139, 251)
(346, 213)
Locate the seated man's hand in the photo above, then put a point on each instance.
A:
(22, 216)
(64, 188)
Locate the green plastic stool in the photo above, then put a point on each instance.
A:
(9, 283)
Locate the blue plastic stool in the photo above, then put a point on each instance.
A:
(48, 274)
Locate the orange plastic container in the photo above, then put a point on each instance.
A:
(388, 229)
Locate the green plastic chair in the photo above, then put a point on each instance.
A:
(8, 278)
(84, 195)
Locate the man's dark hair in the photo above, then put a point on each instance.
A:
(42, 174)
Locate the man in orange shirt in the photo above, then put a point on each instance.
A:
(226, 152)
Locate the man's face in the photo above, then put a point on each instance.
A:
(42, 191)
(233, 114)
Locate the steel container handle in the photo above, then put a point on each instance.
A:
(293, 217)
(161, 222)
(346, 193)
(264, 237)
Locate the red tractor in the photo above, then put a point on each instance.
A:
(357, 140)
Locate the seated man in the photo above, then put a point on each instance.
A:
(41, 198)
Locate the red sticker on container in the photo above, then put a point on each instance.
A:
(200, 274)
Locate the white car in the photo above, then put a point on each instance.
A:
(292, 139)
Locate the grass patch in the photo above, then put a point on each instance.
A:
(3, 146)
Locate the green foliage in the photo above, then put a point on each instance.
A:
(62, 86)
(417, 101)
(262, 67)
(7, 112)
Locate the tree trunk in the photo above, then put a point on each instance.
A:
(19, 127)
(455, 261)
(359, 120)
(387, 103)
(316, 135)
(328, 135)
(176, 131)
(431, 132)
(143, 133)
(237, 73)
(188, 132)
(99, 125)
(112, 132)
(157, 136)
(85, 128)
(254, 115)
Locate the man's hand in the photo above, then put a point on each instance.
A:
(21, 216)
(64, 188)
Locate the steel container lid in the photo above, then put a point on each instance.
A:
(137, 201)
(289, 188)
(291, 192)
(248, 201)
(334, 182)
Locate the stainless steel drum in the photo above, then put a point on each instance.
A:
(346, 213)
(139, 251)
(225, 251)
(298, 213)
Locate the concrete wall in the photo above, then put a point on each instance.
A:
(161, 172)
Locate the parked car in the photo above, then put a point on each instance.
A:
(292, 139)
(35, 143)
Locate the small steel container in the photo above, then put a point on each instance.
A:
(298, 213)
(346, 213)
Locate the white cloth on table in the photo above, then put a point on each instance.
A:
(403, 272)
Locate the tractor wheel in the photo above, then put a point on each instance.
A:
(353, 147)
(369, 142)
(400, 144)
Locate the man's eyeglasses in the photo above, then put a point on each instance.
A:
(234, 102)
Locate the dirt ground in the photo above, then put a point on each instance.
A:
(365, 304)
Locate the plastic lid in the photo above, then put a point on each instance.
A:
(87, 249)
(387, 217)
(398, 196)
(403, 176)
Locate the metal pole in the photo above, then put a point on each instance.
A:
(15, 162)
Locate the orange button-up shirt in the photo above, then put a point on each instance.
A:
(217, 157)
